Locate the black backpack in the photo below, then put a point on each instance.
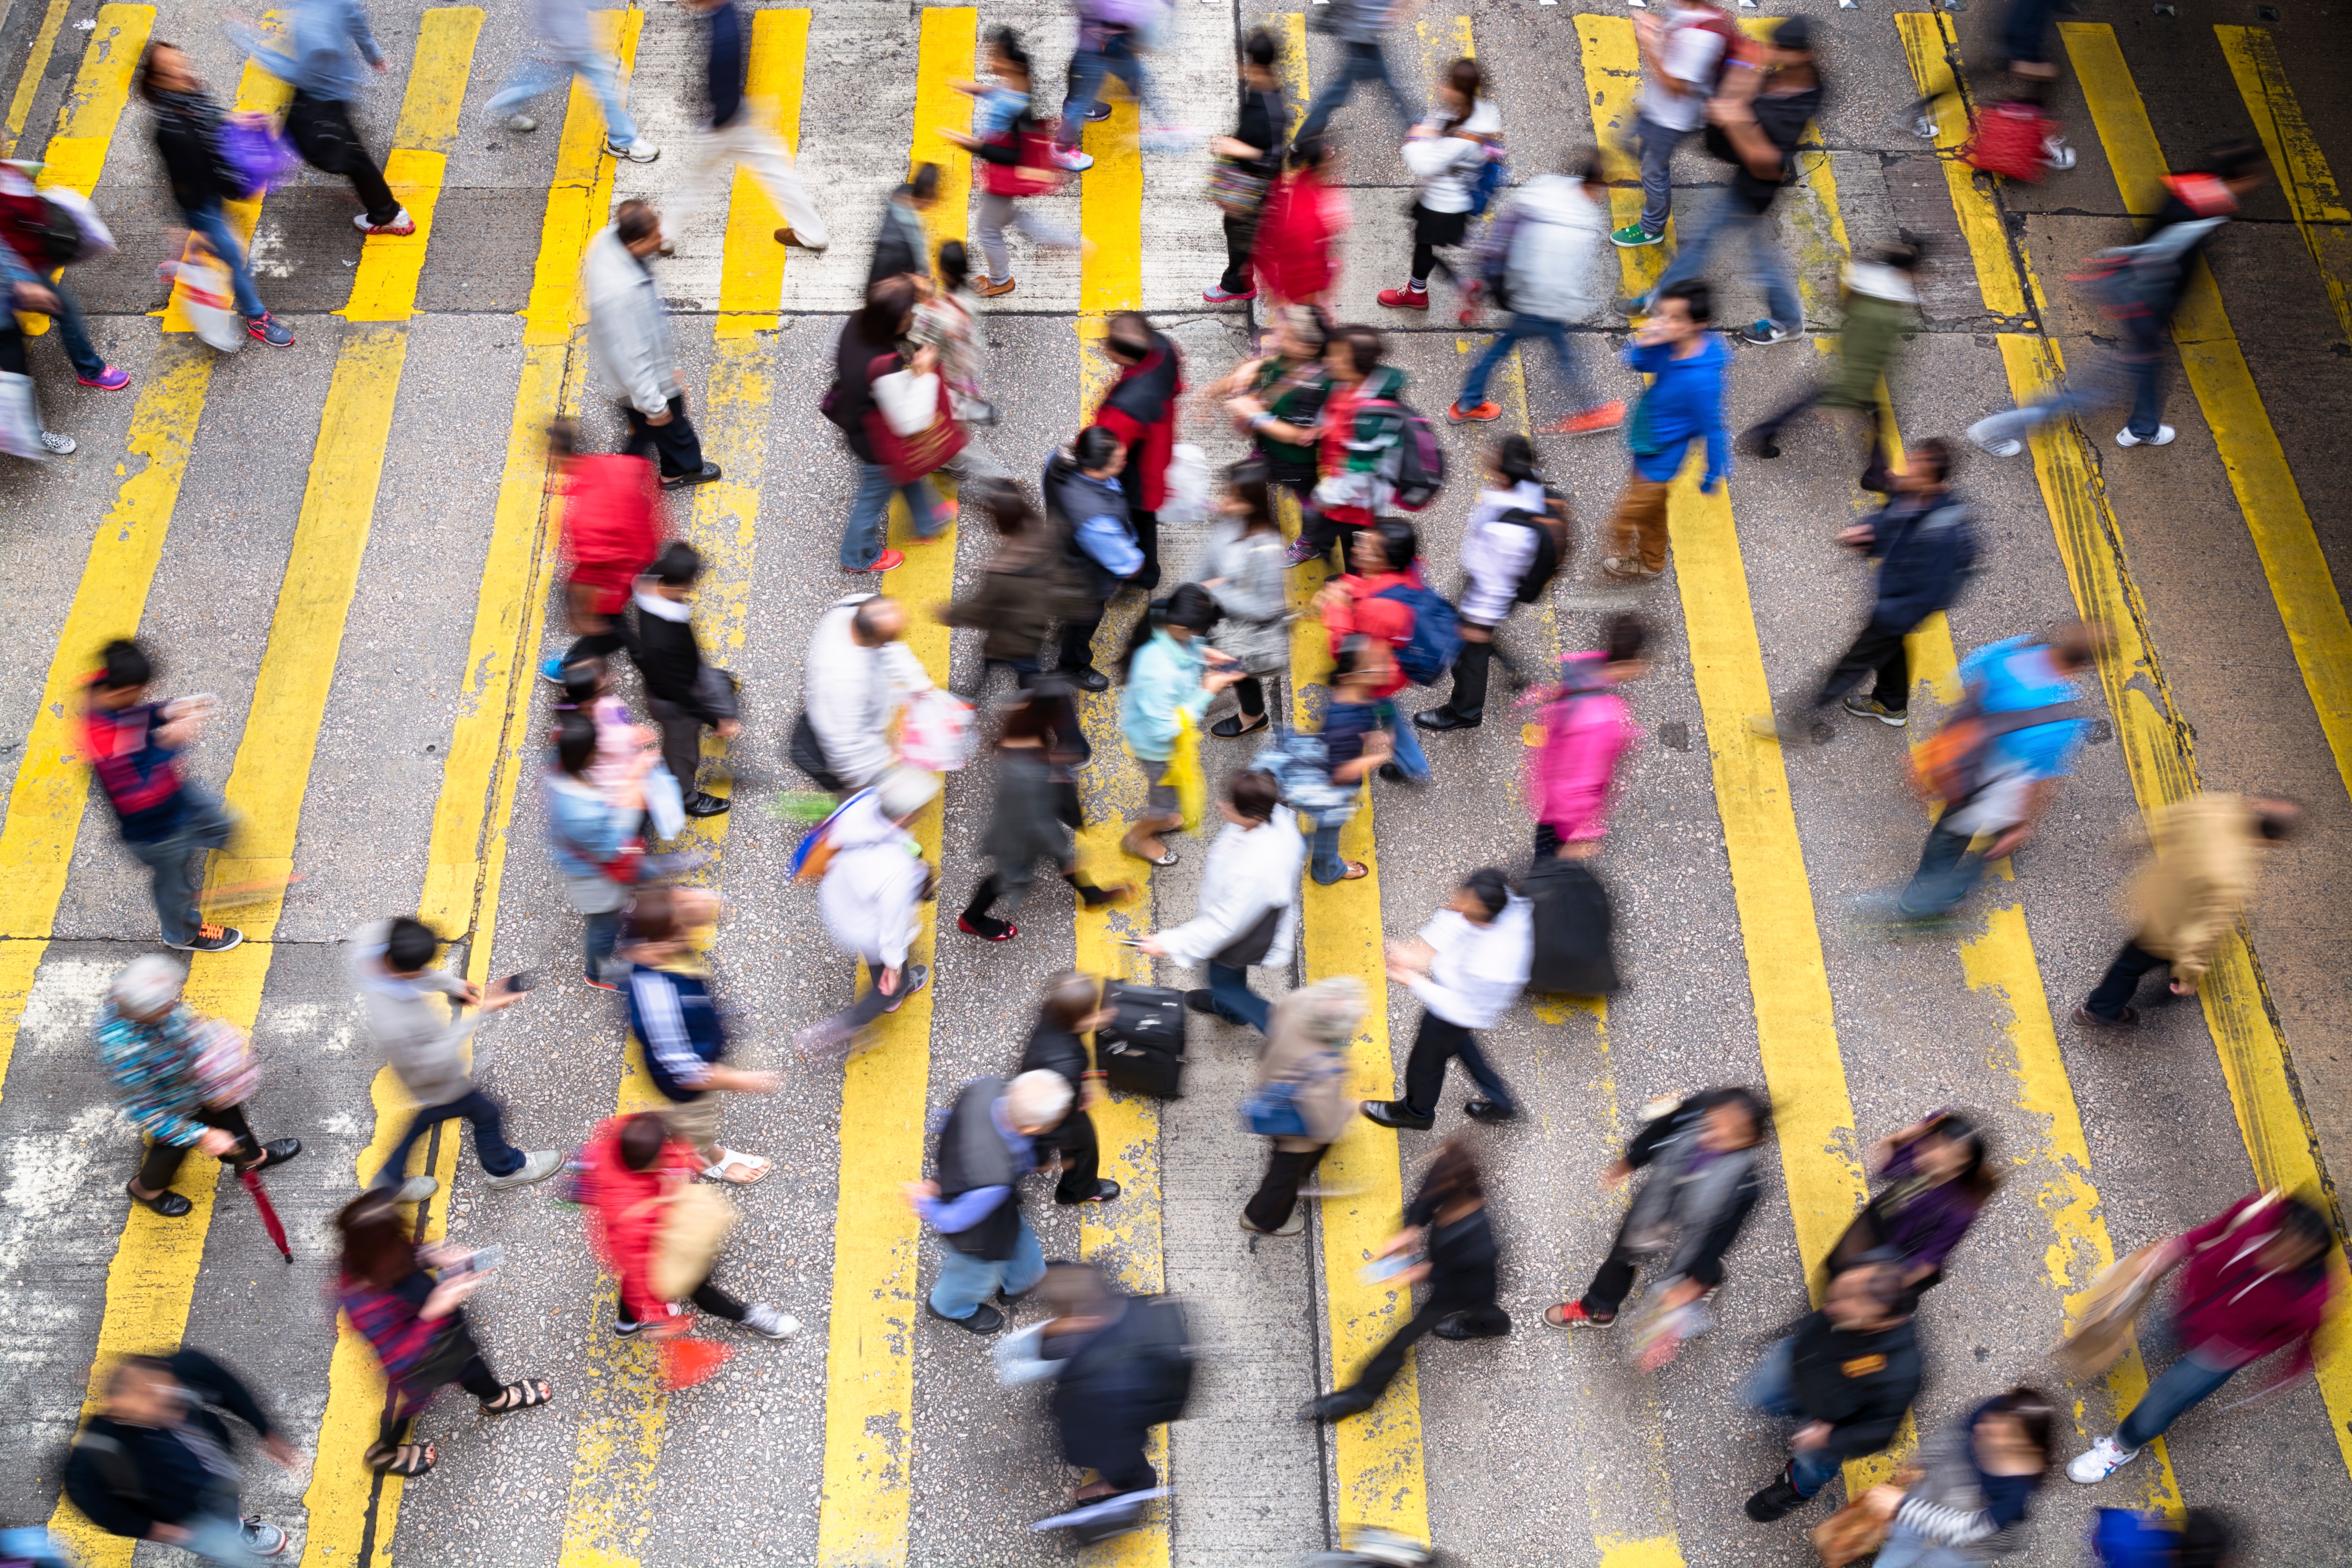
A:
(1158, 1338)
(1545, 565)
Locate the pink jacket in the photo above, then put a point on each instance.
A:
(1586, 731)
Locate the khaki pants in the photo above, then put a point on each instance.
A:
(696, 1122)
(760, 152)
(1640, 523)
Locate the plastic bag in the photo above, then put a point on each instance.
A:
(1017, 1361)
(20, 418)
(936, 732)
(1184, 776)
(664, 801)
(1187, 486)
(203, 293)
(265, 159)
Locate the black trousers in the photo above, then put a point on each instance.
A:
(679, 446)
(1435, 1043)
(1320, 533)
(1878, 650)
(706, 1298)
(1876, 440)
(1470, 669)
(1081, 1156)
(1240, 244)
(163, 1162)
(1078, 643)
(1433, 231)
(616, 637)
(2123, 976)
(1389, 1360)
(1270, 1205)
(475, 1377)
(1250, 692)
(1613, 1281)
(322, 133)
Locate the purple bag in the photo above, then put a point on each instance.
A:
(256, 154)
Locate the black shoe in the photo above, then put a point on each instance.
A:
(1395, 774)
(1105, 1191)
(1202, 1000)
(985, 1319)
(1393, 1113)
(1456, 1326)
(1230, 727)
(1489, 1111)
(1334, 1406)
(1776, 1500)
(277, 1152)
(2127, 1019)
(1444, 719)
(679, 481)
(702, 805)
(1087, 679)
(167, 1202)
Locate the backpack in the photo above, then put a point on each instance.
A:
(1415, 466)
(1436, 639)
(1160, 1342)
(1545, 565)
(1492, 175)
(2006, 140)
(1947, 765)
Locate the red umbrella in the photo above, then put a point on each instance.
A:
(251, 1181)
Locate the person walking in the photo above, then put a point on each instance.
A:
(1169, 676)
(1363, 27)
(1762, 118)
(685, 695)
(1355, 740)
(427, 1050)
(1850, 1370)
(1467, 968)
(1307, 213)
(1248, 911)
(1074, 1005)
(26, 215)
(1360, 424)
(1140, 410)
(1447, 155)
(1551, 238)
(567, 49)
(1301, 1087)
(947, 321)
(1703, 1184)
(1687, 365)
(1243, 572)
(1386, 597)
(1026, 825)
(674, 1017)
(739, 135)
(1248, 162)
(1024, 589)
(871, 898)
(1289, 383)
(973, 1202)
(156, 1461)
(860, 673)
(187, 134)
(324, 36)
(612, 531)
(1112, 43)
(1571, 778)
(870, 351)
(1099, 549)
(1881, 305)
(902, 242)
(1513, 518)
(1977, 1480)
(595, 831)
(1121, 1366)
(182, 1080)
(167, 820)
(409, 1303)
(1684, 47)
(1447, 1230)
(1017, 159)
(21, 434)
(2188, 897)
(632, 1166)
(628, 337)
(1940, 1175)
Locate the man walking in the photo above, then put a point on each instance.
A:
(685, 694)
(628, 334)
(156, 1461)
(860, 671)
(1555, 225)
(871, 899)
(1683, 403)
(326, 82)
(1683, 48)
(1362, 26)
(986, 1146)
(567, 47)
(1467, 967)
(736, 137)
(1850, 1369)
(133, 749)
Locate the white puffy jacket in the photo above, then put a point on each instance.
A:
(1558, 238)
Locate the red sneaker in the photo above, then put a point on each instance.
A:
(1571, 1314)
(1592, 421)
(1405, 299)
(886, 561)
(1484, 411)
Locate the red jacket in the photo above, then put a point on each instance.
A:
(621, 1226)
(1140, 410)
(1296, 254)
(1384, 618)
(612, 525)
(2232, 1311)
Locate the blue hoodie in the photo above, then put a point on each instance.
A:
(1683, 402)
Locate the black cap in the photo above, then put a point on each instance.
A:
(1795, 34)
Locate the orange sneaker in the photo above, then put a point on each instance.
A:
(1405, 299)
(1482, 410)
(886, 562)
(1592, 421)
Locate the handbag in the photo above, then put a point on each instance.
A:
(686, 1246)
(1252, 945)
(808, 755)
(910, 457)
(1237, 191)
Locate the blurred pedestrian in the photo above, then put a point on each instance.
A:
(1017, 158)
(1549, 237)
(2202, 1538)
(1354, 742)
(1248, 162)
(1112, 38)
(595, 834)
(674, 1017)
(973, 1202)
(1450, 1241)
(1026, 825)
(871, 899)
(1689, 366)
(947, 322)
(1512, 519)
(429, 1050)
(1360, 424)
(1025, 588)
(1977, 1480)
(23, 286)
(324, 35)
(628, 337)
(1684, 47)
(1247, 915)
(2189, 895)
(1170, 675)
(870, 350)
(1850, 1370)
(1099, 549)
(1243, 572)
(181, 1079)
(1703, 1184)
(31, 265)
(1288, 385)
(634, 1164)
(588, 690)
(409, 1303)
(2256, 1282)
(1073, 1006)
(1298, 254)
(1363, 27)
(156, 1461)
(1467, 968)
(1447, 155)
(1125, 1365)
(167, 820)
(567, 49)
(1587, 730)
(859, 674)
(612, 531)
(902, 244)
(1881, 305)
(1140, 409)
(685, 694)
(1387, 598)
(187, 134)
(737, 137)
(1940, 1175)
(1299, 1096)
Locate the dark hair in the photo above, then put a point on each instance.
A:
(633, 222)
(2232, 159)
(1353, 657)
(575, 741)
(1366, 347)
(1248, 479)
(1308, 322)
(1070, 996)
(1259, 48)
(643, 1138)
(1514, 458)
(1309, 153)
(1978, 1177)
(1007, 42)
(2277, 819)
(2298, 1221)
(1795, 35)
(562, 438)
(955, 262)
(1093, 448)
(1464, 77)
(1399, 545)
(925, 185)
(1749, 1101)
(1190, 607)
(147, 88)
(122, 663)
(1008, 509)
(1584, 165)
(678, 565)
(2208, 1539)
(2030, 1408)
(1884, 1286)
(1453, 1174)
(652, 915)
(377, 1249)
(1491, 885)
(1697, 298)
(887, 305)
(152, 1366)
(1253, 794)
(1935, 454)
(409, 945)
(1626, 636)
(1904, 255)
(581, 680)
(1129, 335)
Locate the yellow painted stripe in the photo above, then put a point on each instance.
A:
(2300, 580)
(153, 1277)
(950, 41)
(751, 283)
(36, 65)
(1931, 46)
(353, 1513)
(2303, 171)
(76, 153)
(1613, 89)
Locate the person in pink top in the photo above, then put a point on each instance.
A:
(1587, 729)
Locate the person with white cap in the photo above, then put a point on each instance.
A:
(183, 1079)
(876, 883)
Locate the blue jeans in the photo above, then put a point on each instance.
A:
(2132, 372)
(2185, 1384)
(1905, 1549)
(499, 1157)
(178, 861)
(1363, 65)
(1772, 1388)
(1088, 67)
(1324, 862)
(602, 935)
(87, 362)
(1563, 354)
(213, 224)
(1947, 873)
(33, 1544)
(1409, 758)
(966, 1282)
(869, 515)
(1767, 267)
(1230, 996)
(534, 79)
(1657, 146)
(219, 1537)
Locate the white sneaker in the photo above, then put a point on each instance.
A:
(537, 1166)
(638, 152)
(1072, 161)
(399, 227)
(2101, 1459)
(2057, 154)
(2005, 447)
(262, 1537)
(522, 124)
(2163, 437)
(415, 1190)
(1924, 127)
(763, 1319)
(62, 445)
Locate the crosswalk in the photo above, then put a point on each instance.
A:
(1798, 982)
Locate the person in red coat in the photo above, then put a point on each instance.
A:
(612, 531)
(1306, 213)
(1142, 411)
(630, 1164)
(1386, 555)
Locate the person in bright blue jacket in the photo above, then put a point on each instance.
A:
(2122, 1539)
(1685, 362)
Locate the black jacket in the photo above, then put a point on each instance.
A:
(1052, 1049)
(187, 134)
(1860, 1384)
(972, 1153)
(671, 662)
(129, 1478)
(852, 397)
(1463, 1256)
(1926, 545)
(1706, 1265)
(1265, 125)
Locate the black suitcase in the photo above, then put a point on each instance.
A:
(1141, 1069)
(1141, 1049)
(1573, 954)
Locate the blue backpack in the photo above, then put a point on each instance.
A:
(1436, 640)
(1492, 177)
(1273, 1110)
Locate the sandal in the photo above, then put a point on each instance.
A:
(729, 1160)
(409, 1460)
(1356, 871)
(1167, 856)
(528, 1395)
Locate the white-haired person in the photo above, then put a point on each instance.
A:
(875, 885)
(183, 1079)
(974, 1202)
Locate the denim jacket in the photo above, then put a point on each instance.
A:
(322, 33)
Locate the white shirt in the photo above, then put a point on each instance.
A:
(1495, 555)
(1480, 970)
(1690, 52)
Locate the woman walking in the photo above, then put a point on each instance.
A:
(1016, 159)
(1167, 673)
(595, 833)
(1977, 1480)
(187, 132)
(1512, 520)
(870, 351)
(1248, 911)
(1297, 246)
(946, 321)
(1939, 1176)
(1286, 387)
(1023, 590)
(1300, 1097)
(1248, 162)
(1027, 825)
(1447, 153)
(1587, 729)
(1243, 573)
(634, 1164)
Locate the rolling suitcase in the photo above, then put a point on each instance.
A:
(1141, 1050)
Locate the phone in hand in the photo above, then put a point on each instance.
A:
(1388, 1267)
(481, 1260)
(515, 984)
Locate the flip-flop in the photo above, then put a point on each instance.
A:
(729, 1159)
(1168, 859)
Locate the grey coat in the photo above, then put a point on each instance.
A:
(628, 328)
(1947, 1503)
(1025, 828)
(422, 1039)
(1256, 625)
